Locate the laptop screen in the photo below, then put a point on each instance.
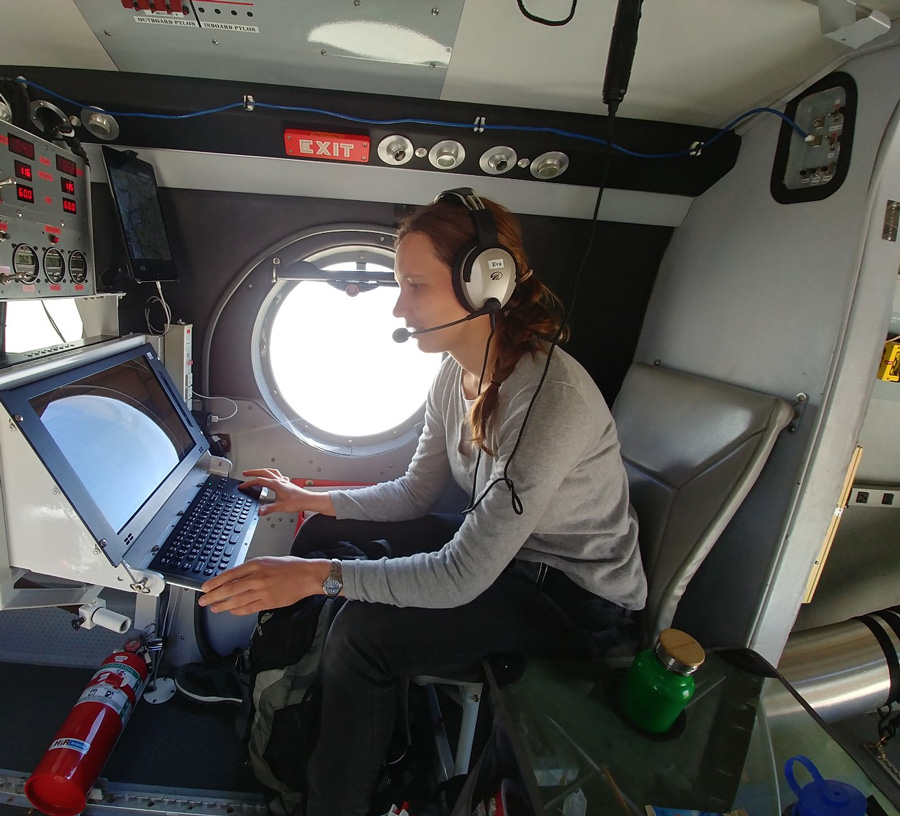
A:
(119, 432)
(114, 435)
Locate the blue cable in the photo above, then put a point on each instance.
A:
(692, 151)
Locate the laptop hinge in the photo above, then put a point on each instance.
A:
(217, 465)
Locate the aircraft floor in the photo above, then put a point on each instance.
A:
(177, 744)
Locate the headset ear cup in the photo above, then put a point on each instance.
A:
(462, 279)
(493, 274)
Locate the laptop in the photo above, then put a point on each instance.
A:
(114, 433)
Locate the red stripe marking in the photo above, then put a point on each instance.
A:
(44, 176)
(44, 160)
(52, 230)
(4, 139)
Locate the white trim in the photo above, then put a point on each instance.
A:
(191, 170)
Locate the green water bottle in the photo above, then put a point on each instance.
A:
(659, 683)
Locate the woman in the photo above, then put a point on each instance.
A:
(547, 557)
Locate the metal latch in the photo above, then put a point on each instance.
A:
(891, 219)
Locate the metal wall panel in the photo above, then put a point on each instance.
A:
(381, 46)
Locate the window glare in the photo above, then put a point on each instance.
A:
(335, 363)
(29, 328)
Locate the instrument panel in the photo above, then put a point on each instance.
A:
(46, 248)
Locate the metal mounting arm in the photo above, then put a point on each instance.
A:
(850, 23)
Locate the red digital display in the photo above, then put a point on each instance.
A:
(69, 206)
(23, 171)
(21, 147)
(65, 165)
(68, 186)
(24, 193)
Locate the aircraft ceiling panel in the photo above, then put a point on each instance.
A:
(51, 34)
(697, 61)
(374, 46)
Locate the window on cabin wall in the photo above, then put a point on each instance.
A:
(326, 361)
(37, 324)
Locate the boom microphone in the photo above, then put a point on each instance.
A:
(491, 306)
(621, 51)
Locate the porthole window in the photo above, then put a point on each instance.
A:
(327, 363)
(37, 324)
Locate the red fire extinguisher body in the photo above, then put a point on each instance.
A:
(67, 771)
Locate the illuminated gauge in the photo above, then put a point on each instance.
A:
(25, 264)
(78, 268)
(54, 266)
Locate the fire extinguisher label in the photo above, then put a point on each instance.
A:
(107, 695)
(124, 671)
(72, 744)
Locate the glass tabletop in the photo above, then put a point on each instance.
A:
(726, 752)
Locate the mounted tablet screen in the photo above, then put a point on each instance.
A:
(136, 197)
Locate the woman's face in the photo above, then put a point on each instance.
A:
(426, 294)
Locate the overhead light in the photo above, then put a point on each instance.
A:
(383, 42)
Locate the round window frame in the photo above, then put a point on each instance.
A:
(324, 245)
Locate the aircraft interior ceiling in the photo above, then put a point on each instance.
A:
(700, 62)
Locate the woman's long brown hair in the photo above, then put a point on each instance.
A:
(529, 320)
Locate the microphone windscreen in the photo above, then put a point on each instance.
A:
(401, 335)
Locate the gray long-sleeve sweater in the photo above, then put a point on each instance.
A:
(567, 472)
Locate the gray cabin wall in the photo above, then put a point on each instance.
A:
(878, 437)
(785, 299)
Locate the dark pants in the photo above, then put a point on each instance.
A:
(372, 650)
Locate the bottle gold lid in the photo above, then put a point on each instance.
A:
(679, 652)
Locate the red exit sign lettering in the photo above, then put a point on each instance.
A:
(310, 144)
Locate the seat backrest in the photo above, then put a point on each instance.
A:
(693, 448)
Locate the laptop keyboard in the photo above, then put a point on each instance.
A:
(205, 540)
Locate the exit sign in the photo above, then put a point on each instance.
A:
(311, 144)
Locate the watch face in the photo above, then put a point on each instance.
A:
(332, 587)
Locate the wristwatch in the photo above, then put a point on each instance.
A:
(333, 584)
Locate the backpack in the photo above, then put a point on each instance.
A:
(284, 660)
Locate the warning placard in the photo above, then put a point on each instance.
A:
(167, 21)
(247, 29)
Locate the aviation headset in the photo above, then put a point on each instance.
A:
(485, 269)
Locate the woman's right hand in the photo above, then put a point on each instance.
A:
(290, 497)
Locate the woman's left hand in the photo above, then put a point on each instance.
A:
(263, 583)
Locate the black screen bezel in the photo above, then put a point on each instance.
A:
(142, 270)
(17, 401)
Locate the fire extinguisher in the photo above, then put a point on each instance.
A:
(66, 773)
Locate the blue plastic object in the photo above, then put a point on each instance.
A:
(823, 797)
